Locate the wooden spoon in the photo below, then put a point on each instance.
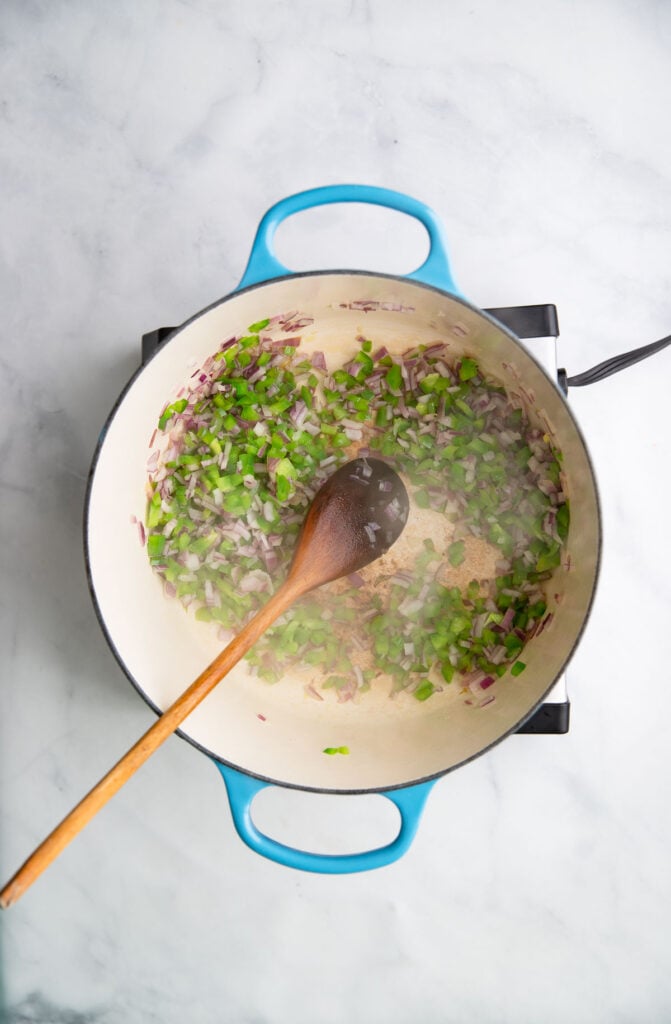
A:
(354, 518)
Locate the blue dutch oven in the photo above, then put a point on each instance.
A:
(260, 735)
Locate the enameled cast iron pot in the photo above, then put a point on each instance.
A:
(397, 748)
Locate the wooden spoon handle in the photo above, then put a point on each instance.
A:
(173, 717)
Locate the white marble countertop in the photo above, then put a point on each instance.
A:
(141, 145)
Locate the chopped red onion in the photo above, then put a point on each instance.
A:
(507, 620)
(294, 342)
(255, 581)
(410, 606)
(545, 622)
(271, 560)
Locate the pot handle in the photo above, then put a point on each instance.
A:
(242, 789)
(263, 264)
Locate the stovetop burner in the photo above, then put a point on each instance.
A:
(537, 327)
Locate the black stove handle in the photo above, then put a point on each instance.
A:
(152, 341)
(610, 366)
(537, 321)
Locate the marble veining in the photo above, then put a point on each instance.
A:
(141, 145)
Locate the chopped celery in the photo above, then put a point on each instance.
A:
(468, 368)
(176, 407)
(424, 691)
(563, 520)
(284, 488)
(455, 553)
(154, 514)
(447, 671)
(366, 362)
(464, 407)
(549, 559)
(394, 377)
(155, 545)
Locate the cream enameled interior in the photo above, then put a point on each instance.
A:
(163, 648)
